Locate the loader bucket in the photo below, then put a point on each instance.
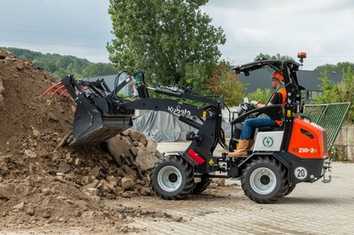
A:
(91, 126)
(97, 116)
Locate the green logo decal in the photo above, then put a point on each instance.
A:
(268, 141)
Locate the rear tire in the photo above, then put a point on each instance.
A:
(172, 178)
(264, 180)
(201, 186)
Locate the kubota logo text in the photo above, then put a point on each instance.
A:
(178, 111)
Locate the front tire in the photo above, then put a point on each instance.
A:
(172, 178)
(264, 180)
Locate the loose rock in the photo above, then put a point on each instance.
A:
(42, 180)
(127, 183)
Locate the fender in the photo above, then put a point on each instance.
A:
(181, 154)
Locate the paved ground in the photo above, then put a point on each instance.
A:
(311, 209)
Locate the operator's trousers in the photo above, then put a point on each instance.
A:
(251, 124)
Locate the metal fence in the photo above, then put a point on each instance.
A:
(328, 116)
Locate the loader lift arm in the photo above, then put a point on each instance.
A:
(102, 113)
(206, 119)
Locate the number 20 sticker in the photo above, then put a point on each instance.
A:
(300, 173)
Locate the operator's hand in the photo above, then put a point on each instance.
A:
(254, 102)
(225, 154)
(260, 105)
(257, 104)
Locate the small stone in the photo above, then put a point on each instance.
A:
(29, 153)
(112, 180)
(60, 178)
(20, 67)
(118, 190)
(35, 132)
(4, 213)
(134, 151)
(19, 206)
(52, 117)
(46, 191)
(127, 183)
(144, 191)
(6, 191)
(46, 214)
(30, 211)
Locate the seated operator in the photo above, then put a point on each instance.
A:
(273, 118)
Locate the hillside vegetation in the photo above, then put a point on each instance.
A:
(62, 65)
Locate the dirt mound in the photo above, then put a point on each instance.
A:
(41, 182)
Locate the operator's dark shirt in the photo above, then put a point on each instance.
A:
(276, 114)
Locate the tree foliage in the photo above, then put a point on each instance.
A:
(225, 83)
(262, 56)
(61, 66)
(341, 92)
(260, 95)
(338, 68)
(170, 40)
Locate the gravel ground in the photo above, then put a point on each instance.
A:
(311, 209)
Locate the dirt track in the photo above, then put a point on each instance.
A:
(312, 209)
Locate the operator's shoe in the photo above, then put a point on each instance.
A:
(242, 149)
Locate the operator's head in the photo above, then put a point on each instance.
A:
(277, 79)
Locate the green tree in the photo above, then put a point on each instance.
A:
(341, 92)
(262, 56)
(340, 67)
(168, 39)
(260, 95)
(61, 66)
(225, 83)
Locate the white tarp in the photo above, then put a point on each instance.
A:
(164, 127)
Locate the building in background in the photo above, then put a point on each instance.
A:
(310, 80)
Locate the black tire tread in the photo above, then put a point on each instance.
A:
(189, 185)
(283, 186)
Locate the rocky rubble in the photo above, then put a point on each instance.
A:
(42, 182)
(133, 147)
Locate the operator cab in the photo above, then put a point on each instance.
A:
(270, 139)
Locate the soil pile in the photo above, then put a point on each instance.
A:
(41, 182)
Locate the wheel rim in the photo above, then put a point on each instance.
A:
(169, 178)
(263, 180)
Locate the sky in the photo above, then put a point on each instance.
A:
(322, 28)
